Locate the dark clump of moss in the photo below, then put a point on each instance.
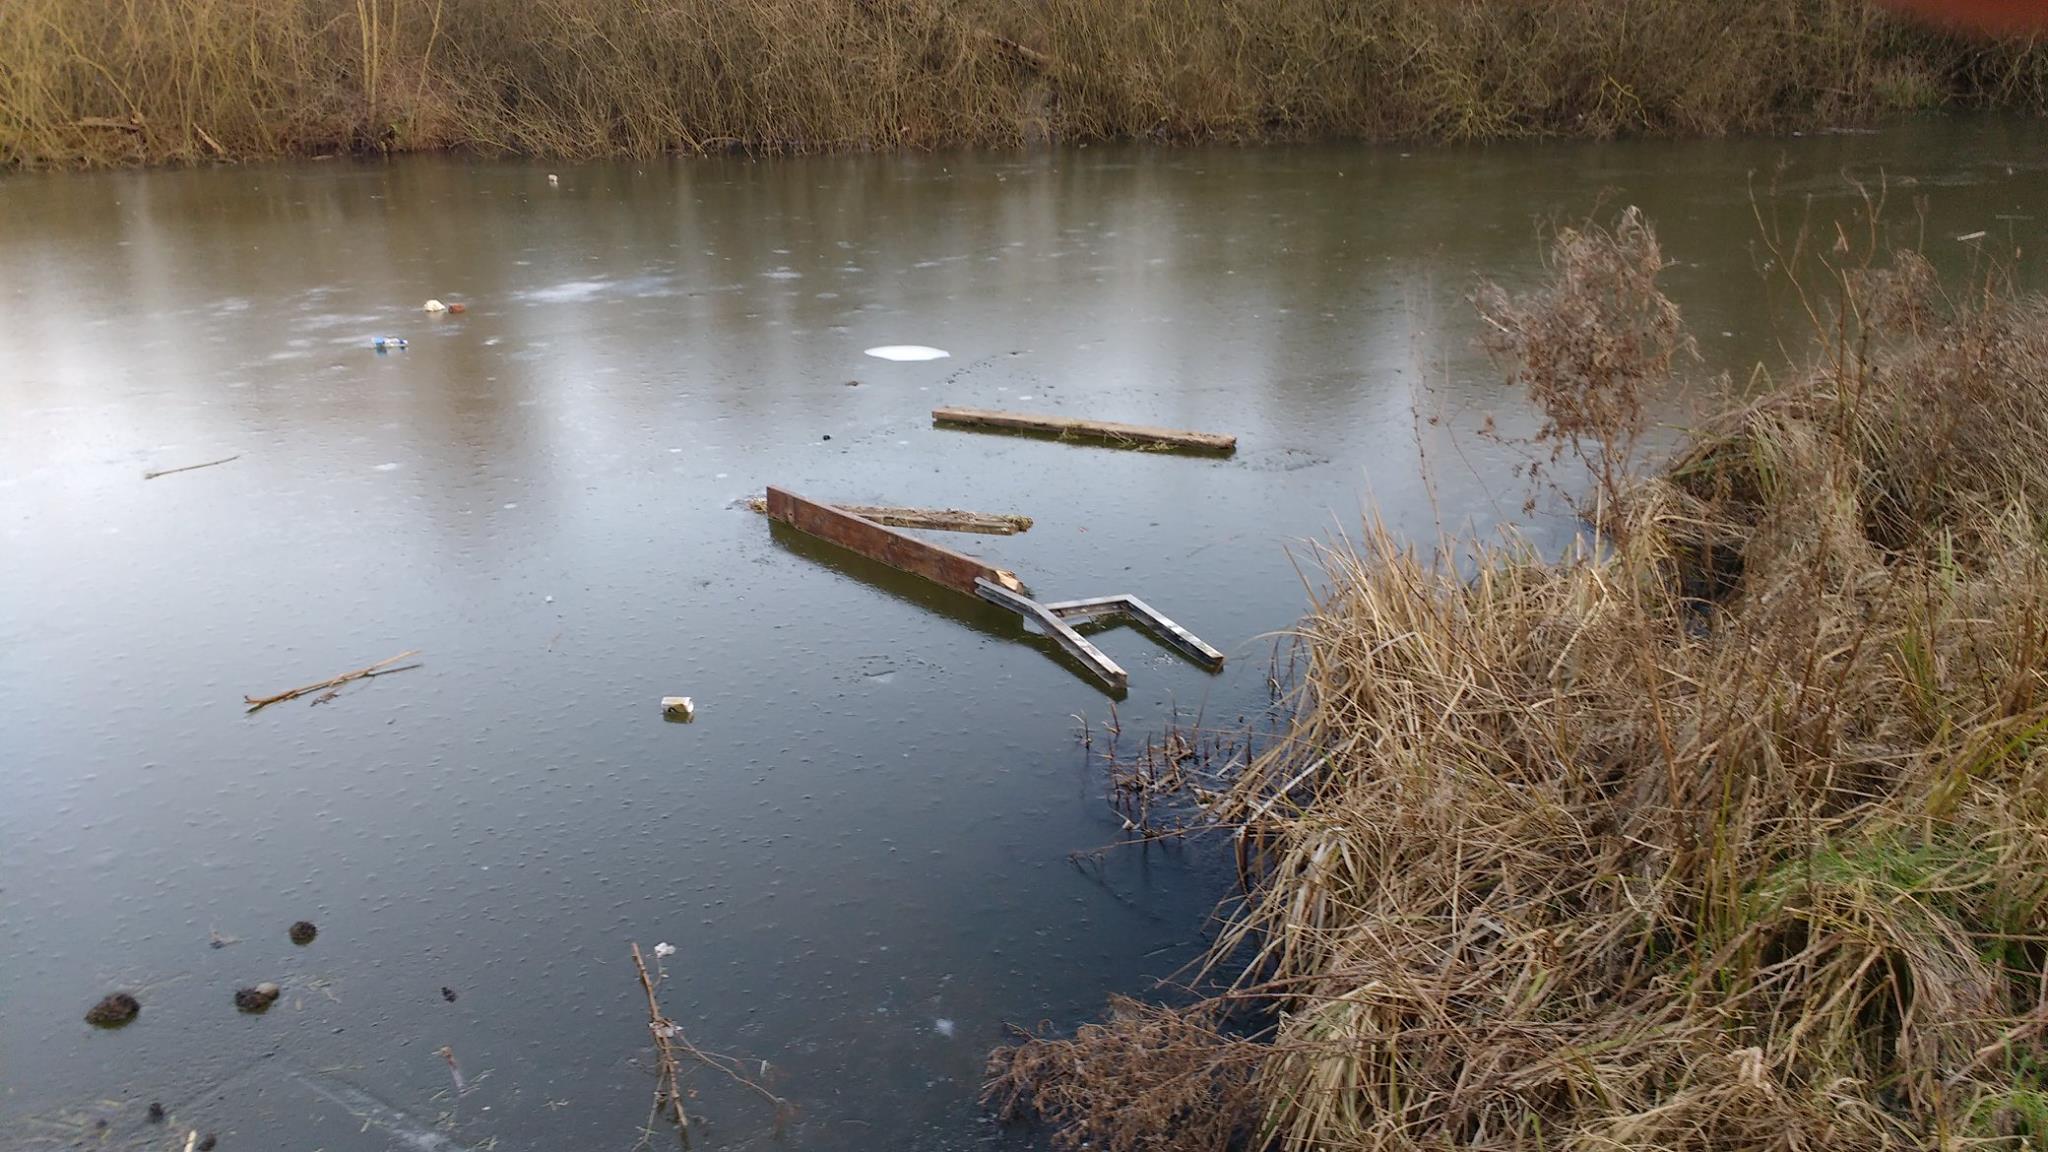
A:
(156, 1112)
(448, 994)
(113, 1011)
(257, 999)
(302, 933)
(208, 1142)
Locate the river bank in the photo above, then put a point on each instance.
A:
(1726, 832)
(95, 82)
(879, 843)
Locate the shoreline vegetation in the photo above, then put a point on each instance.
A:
(110, 82)
(1728, 831)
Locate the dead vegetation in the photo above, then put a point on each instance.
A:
(331, 684)
(676, 1057)
(91, 82)
(1729, 831)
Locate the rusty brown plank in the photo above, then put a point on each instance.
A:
(931, 519)
(1107, 431)
(941, 566)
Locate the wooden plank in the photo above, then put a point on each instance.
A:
(932, 519)
(1076, 645)
(1110, 432)
(836, 526)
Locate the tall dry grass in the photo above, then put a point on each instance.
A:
(1731, 833)
(110, 81)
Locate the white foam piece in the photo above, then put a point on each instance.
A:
(908, 352)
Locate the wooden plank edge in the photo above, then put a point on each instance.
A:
(843, 529)
(929, 519)
(1105, 430)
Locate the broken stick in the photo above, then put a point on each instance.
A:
(1106, 431)
(671, 1046)
(933, 519)
(380, 668)
(669, 1089)
(190, 467)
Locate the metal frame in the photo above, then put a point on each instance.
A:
(1059, 617)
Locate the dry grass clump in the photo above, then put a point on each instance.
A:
(113, 81)
(1183, 1086)
(1614, 852)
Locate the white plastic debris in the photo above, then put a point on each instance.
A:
(554, 181)
(679, 706)
(943, 1027)
(664, 950)
(433, 306)
(908, 352)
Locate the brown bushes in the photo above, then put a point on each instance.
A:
(108, 81)
(1609, 852)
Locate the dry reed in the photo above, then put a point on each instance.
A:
(1730, 832)
(114, 81)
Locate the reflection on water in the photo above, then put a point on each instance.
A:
(863, 847)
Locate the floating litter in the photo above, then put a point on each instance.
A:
(908, 352)
(383, 342)
(943, 1027)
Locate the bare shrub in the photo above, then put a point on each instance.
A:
(1591, 343)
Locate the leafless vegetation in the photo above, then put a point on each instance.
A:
(122, 81)
(676, 1057)
(1729, 832)
(1591, 344)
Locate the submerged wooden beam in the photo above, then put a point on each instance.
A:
(856, 534)
(1063, 633)
(934, 519)
(1104, 430)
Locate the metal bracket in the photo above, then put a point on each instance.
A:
(1058, 619)
(1076, 645)
(1154, 621)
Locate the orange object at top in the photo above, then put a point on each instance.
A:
(1989, 16)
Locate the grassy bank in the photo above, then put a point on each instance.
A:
(122, 81)
(1732, 834)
